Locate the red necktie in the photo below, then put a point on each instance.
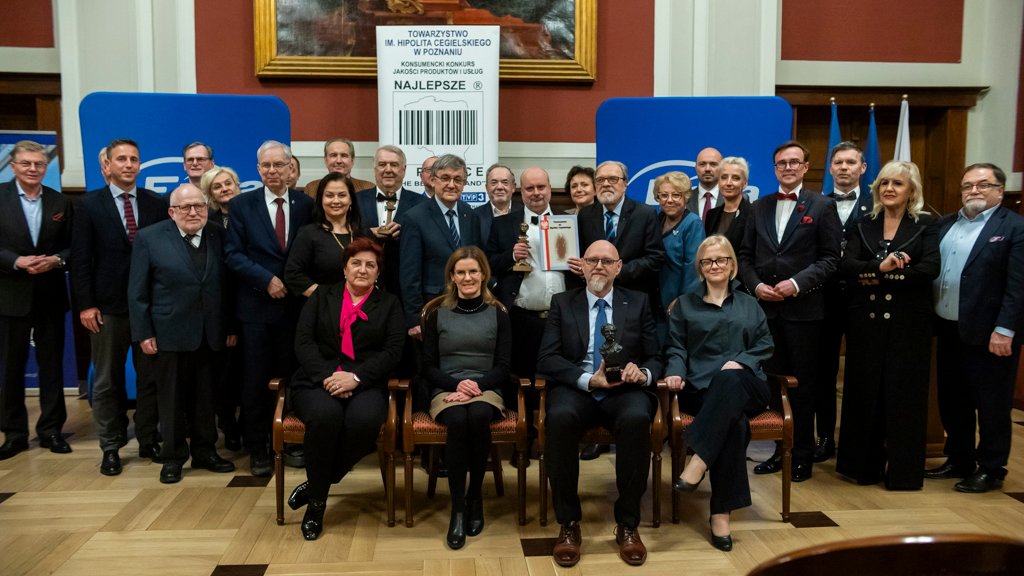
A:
(129, 217)
(279, 224)
(786, 196)
(707, 206)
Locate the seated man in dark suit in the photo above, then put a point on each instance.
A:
(582, 397)
(176, 303)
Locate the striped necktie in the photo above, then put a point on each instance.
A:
(451, 226)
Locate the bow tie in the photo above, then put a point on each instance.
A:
(785, 196)
(840, 197)
(382, 198)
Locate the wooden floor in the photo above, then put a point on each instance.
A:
(58, 515)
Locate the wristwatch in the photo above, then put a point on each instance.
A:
(60, 262)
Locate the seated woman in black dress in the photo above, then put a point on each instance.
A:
(718, 339)
(316, 253)
(466, 347)
(348, 341)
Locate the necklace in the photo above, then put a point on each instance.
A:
(335, 236)
(470, 311)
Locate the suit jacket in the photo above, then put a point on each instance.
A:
(100, 251)
(736, 228)
(808, 253)
(485, 217)
(18, 288)
(377, 341)
(426, 245)
(637, 238)
(567, 335)
(503, 237)
(696, 202)
(992, 282)
(254, 256)
(367, 200)
(171, 300)
(861, 210)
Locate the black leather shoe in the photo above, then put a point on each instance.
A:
(456, 537)
(474, 517)
(12, 447)
(260, 464)
(294, 456)
(723, 543)
(111, 465)
(213, 463)
(979, 483)
(170, 473)
(824, 449)
(802, 471)
(680, 485)
(299, 497)
(151, 451)
(947, 471)
(593, 451)
(56, 444)
(769, 466)
(313, 520)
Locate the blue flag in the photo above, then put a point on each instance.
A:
(833, 139)
(871, 154)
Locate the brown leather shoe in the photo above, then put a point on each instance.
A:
(631, 548)
(567, 548)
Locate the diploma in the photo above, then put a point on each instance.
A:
(559, 241)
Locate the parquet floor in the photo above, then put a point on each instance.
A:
(58, 515)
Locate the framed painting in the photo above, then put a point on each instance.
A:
(541, 40)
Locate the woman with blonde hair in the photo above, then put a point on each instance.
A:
(219, 185)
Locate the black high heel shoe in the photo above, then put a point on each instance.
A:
(313, 520)
(299, 497)
(456, 537)
(680, 485)
(723, 543)
(474, 517)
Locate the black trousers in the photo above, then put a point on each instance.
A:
(466, 449)
(186, 402)
(832, 331)
(268, 351)
(227, 389)
(46, 327)
(798, 352)
(971, 380)
(720, 432)
(571, 412)
(339, 432)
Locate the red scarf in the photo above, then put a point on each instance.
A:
(349, 312)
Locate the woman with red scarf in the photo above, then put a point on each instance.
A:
(349, 339)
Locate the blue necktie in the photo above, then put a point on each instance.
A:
(602, 319)
(609, 226)
(452, 228)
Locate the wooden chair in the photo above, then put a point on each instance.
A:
(775, 423)
(289, 428)
(601, 435)
(419, 429)
(925, 554)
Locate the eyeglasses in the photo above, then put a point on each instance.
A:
(457, 180)
(981, 186)
(27, 164)
(188, 208)
(613, 180)
(267, 166)
(196, 160)
(783, 164)
(670, 196)
(721, 262)
(606, 262)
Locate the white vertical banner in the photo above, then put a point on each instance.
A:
(437, 92)
(903, 133)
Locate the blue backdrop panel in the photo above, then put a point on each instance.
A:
(162, 124)
(652, 136)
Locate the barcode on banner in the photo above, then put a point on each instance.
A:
(437, 127)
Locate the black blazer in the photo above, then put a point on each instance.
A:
(567, 334)
(736, 228)
(637, 238)
(100, 251)
(377, 341)
(861, 211)
(367, 199)
(314, 258)
(809, 253)
(485, 217)
(992, 282)
(504, 235)
(18, 288)
(696, 202)
(169, 299)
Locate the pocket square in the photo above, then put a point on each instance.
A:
(58, 217)
(997, 239)
(806, 220)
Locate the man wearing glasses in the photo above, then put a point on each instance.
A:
(178, 313)
(790, 250)
(198, 159)
(263, 225)
(35, 242)
(581, 395)
(979, 300)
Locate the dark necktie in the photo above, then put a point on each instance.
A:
(451, 226)
(786, 196)
(129, 217)
(189, 239)
(602, 319)
(609, 226)
(841, 197)
(279, 224)
(707, 207)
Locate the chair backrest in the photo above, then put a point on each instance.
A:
(948, 554)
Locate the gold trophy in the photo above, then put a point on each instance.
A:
(523, 265)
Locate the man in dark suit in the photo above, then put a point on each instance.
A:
(853, 202)
(706, 197)
(263, 225)
(179, 315)
(339, 156)
(106, 222)
(500, 185)
(35, 242)
(581, 396)
(432, 231)
(790, 250)
(979, 300)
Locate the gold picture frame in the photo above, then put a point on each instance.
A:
(270, 63)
